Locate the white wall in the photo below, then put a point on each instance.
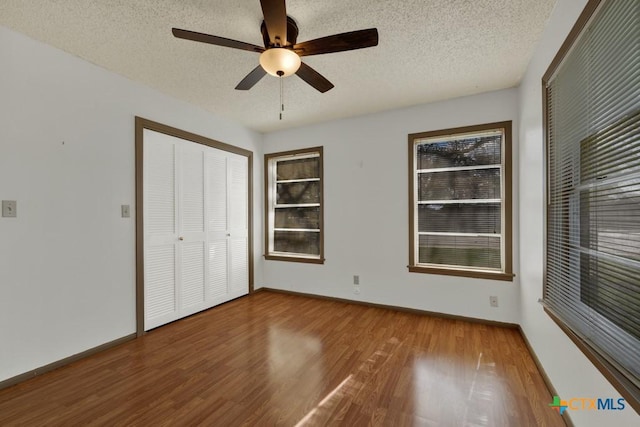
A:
(366, 211)
(67, 263)
(569, 370)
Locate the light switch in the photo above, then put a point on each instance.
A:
(126, 211)
(9, 208)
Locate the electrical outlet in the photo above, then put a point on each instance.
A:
(356, 280)
(125, 211)
(356, 289)
(493, 301)
(9, 208)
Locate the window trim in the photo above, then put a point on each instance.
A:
(268, 231)
(507, 274)
(617, 379)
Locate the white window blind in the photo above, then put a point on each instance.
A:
(294, 205)
(592, 283)
(461, 221)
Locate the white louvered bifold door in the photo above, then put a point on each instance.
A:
(192, 242)
(218, 283)
(238, 226)
(160, 226)
(195, 227)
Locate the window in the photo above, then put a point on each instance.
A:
(293, 200)
(460, 192)
(592, 118)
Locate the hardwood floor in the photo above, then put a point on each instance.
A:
(274, 359)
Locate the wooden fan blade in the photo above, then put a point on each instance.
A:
(252, 78)
(338, 42)
(314, 78)
(275, 18)
(218, 41)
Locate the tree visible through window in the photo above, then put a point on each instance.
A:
(293, 194)
(459, 222)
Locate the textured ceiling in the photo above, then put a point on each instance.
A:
(429, 50)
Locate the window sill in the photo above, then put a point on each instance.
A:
(294, 259)
(507, 277)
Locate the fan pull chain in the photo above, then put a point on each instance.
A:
(281, 94)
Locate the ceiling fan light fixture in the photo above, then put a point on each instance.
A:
(280, 61)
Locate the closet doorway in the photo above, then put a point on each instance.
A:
(193, 223)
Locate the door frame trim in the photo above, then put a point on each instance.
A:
(140, 125)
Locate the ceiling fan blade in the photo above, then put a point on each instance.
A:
(252, 78)
(218, 41)
(338, 42)
(314, 78)
(275, 18)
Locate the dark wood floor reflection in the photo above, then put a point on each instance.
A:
(274, 359)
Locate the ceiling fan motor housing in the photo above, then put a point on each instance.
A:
(292, 33)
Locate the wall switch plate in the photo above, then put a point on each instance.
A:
(356, 280)
(126, 211)
(493, 301)
(9, 208)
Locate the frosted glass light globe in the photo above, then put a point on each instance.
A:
(280, 59)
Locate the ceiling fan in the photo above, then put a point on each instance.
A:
(281, 53)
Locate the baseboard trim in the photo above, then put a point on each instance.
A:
(63, 362)
(396, 308)
(565, 416)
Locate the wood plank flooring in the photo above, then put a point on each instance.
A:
(271, 359)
